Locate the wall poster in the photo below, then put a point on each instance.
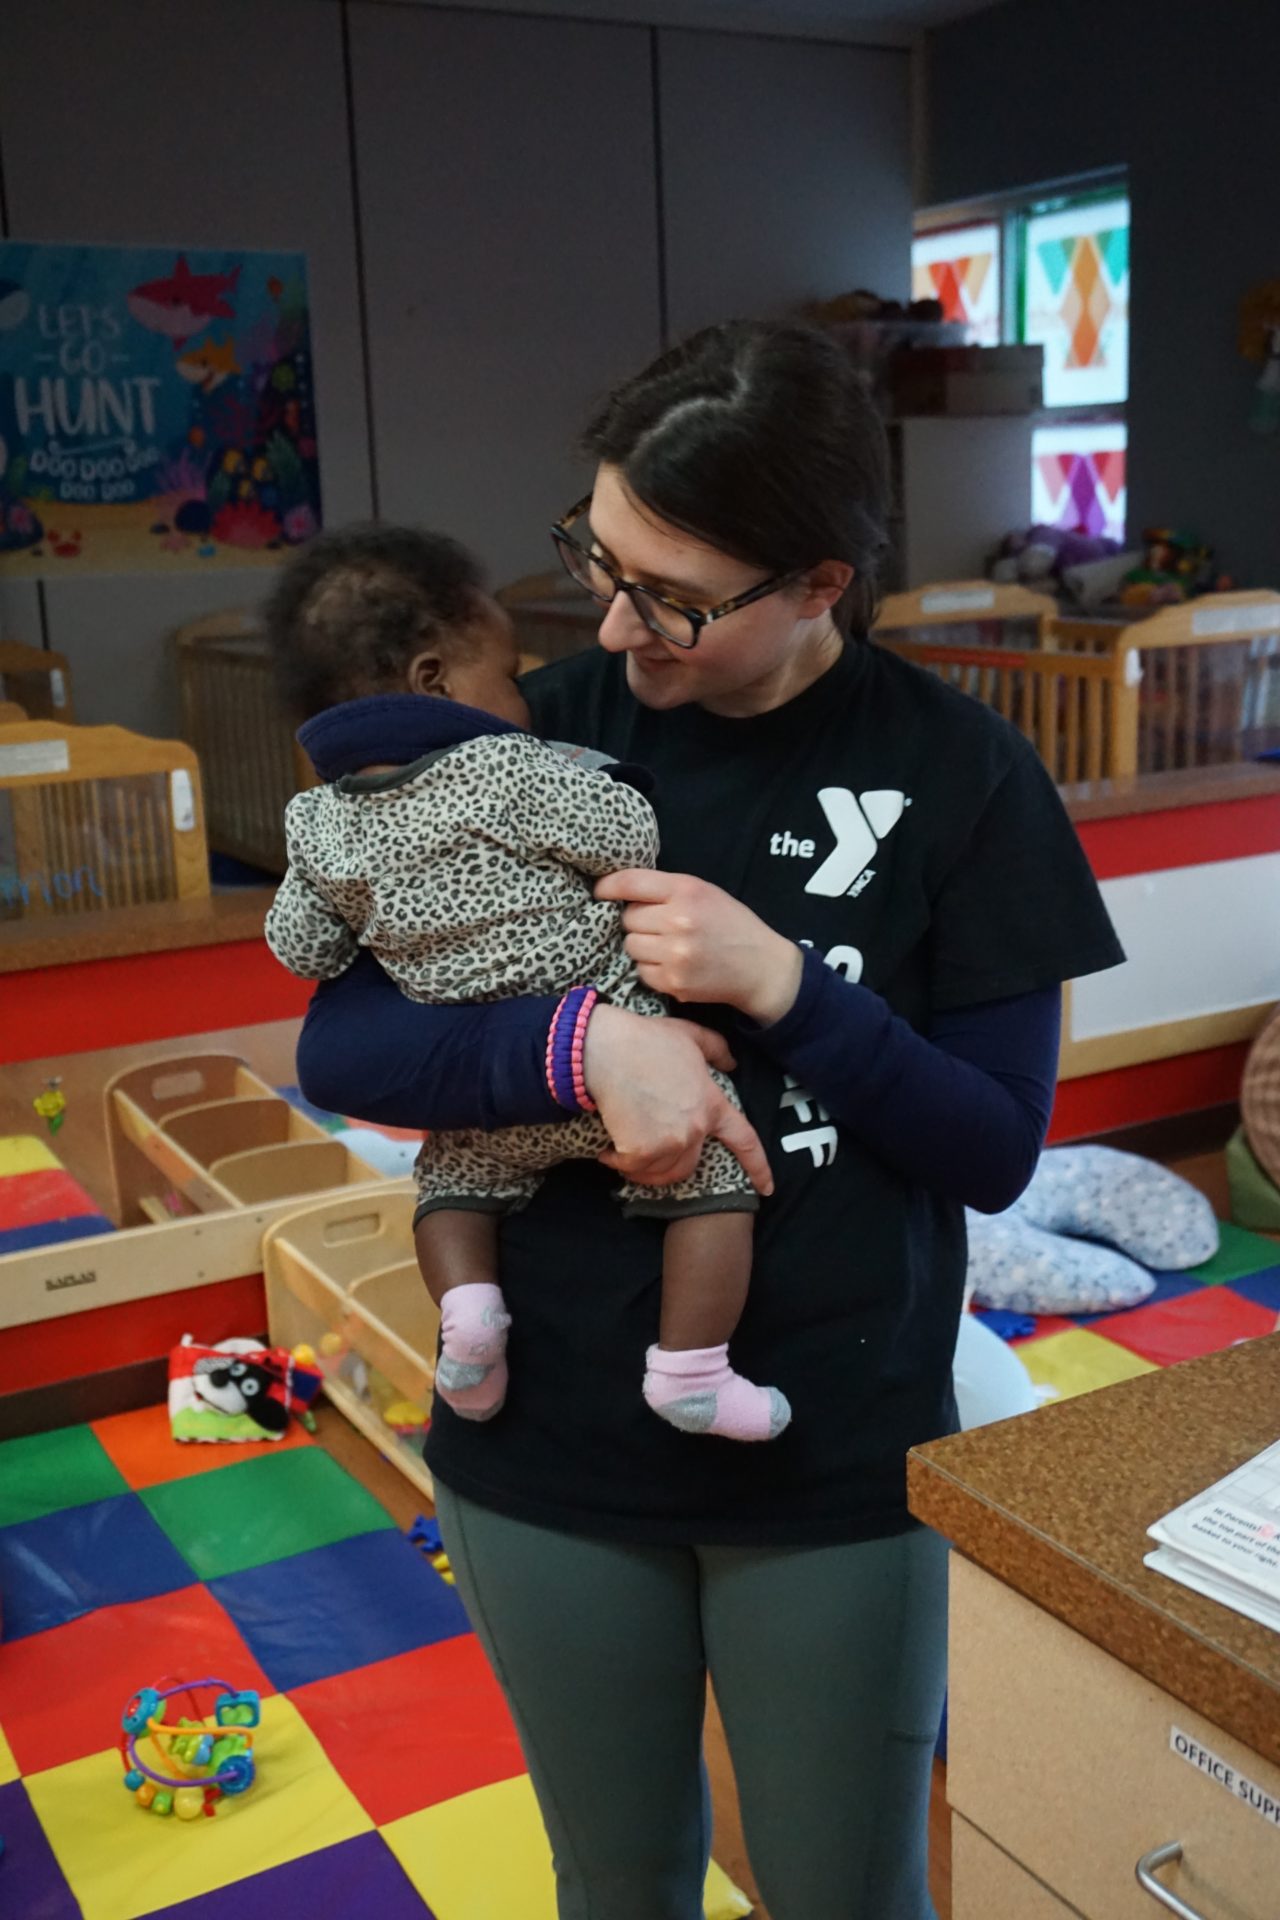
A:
(157, 411)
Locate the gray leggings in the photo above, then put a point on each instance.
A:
(828, 1665)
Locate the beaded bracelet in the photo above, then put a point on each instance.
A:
(565, 1043)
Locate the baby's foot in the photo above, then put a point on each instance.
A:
(471, 1373)
(695, 1389)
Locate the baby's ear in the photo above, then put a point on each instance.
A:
(427, 674)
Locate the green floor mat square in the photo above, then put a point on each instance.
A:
(265, 1510)
(46, 1472)
(1239, 1254)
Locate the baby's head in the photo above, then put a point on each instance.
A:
(373, 609)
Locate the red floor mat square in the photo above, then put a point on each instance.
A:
(1201, 1322)
(62, 1693)
(409, 1732)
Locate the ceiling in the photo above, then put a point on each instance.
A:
(890, 23)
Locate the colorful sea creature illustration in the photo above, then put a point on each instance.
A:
(209, 364)
(183, 303)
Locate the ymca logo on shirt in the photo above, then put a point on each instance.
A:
(859, 822)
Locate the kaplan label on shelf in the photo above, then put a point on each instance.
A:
(1237, 1784)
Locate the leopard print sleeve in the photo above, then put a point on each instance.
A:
(593, 823)
(304, 930)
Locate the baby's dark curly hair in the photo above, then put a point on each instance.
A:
(351, 609)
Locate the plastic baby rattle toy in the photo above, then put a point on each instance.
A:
(201, 1764)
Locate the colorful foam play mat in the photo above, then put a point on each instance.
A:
(380, 1774)
(1233, 1297)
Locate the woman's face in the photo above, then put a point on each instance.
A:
(746, 662)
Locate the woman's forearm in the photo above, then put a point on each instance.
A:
(368, 1052)
(962, 1110)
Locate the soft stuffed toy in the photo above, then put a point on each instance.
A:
(236, 1390)
(1081, 1238)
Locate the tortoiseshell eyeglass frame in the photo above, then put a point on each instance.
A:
(639, 596)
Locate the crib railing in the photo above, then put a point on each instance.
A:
(96, 817)
(1189, 686)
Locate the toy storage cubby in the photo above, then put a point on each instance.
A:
(201, 1133)
(342, 1278)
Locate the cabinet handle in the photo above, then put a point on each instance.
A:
(1146, 1873)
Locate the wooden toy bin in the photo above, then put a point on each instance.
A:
(201, 1133)
(38, 680)
(341, 1277)
(96, 817)
(233, 717)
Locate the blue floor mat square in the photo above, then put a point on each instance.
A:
(66, 1564)
(1262, 1288)
(340, 1606)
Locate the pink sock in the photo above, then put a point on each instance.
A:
(697, 1390)
(471, 1373)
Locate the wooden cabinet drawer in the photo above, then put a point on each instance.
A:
(1064, 1758)
(987, 1885)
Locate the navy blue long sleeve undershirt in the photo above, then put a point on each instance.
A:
(962, 1110)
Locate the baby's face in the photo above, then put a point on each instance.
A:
(485, 675)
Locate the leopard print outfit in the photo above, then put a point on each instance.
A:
(468, 875)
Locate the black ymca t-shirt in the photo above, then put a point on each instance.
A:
(915, 840)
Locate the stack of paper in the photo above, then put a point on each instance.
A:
(1226, 1542)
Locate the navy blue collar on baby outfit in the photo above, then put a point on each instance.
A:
(390, 729)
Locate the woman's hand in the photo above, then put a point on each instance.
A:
(693, 941)
(659, 1103)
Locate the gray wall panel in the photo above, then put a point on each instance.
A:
(195, 125)
(786, 170)
(507, 181)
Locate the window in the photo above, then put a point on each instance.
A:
(1078, 477)
(1052, 272)
(961, 267)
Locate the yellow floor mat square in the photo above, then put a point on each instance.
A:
(484, 1856)
(8, 1765)
(1078, 1361)
(122, 1862)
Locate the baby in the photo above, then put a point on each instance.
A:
(462, 852)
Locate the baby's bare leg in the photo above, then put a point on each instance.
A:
(706, 1270)
(455, 1248)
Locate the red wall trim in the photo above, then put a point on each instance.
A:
(147, 996)
(1181, 836)
(1153, 1090)
(116, 1336)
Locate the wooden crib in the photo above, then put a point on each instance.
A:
(96, 817)
(1188, 686)
(233, 717)
(36, 680)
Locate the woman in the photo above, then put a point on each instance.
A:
(871, 891)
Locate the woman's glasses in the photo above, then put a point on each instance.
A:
(670, 619)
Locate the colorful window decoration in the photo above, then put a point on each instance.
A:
(1078, 477)
(1075, 300)
(961, 267)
